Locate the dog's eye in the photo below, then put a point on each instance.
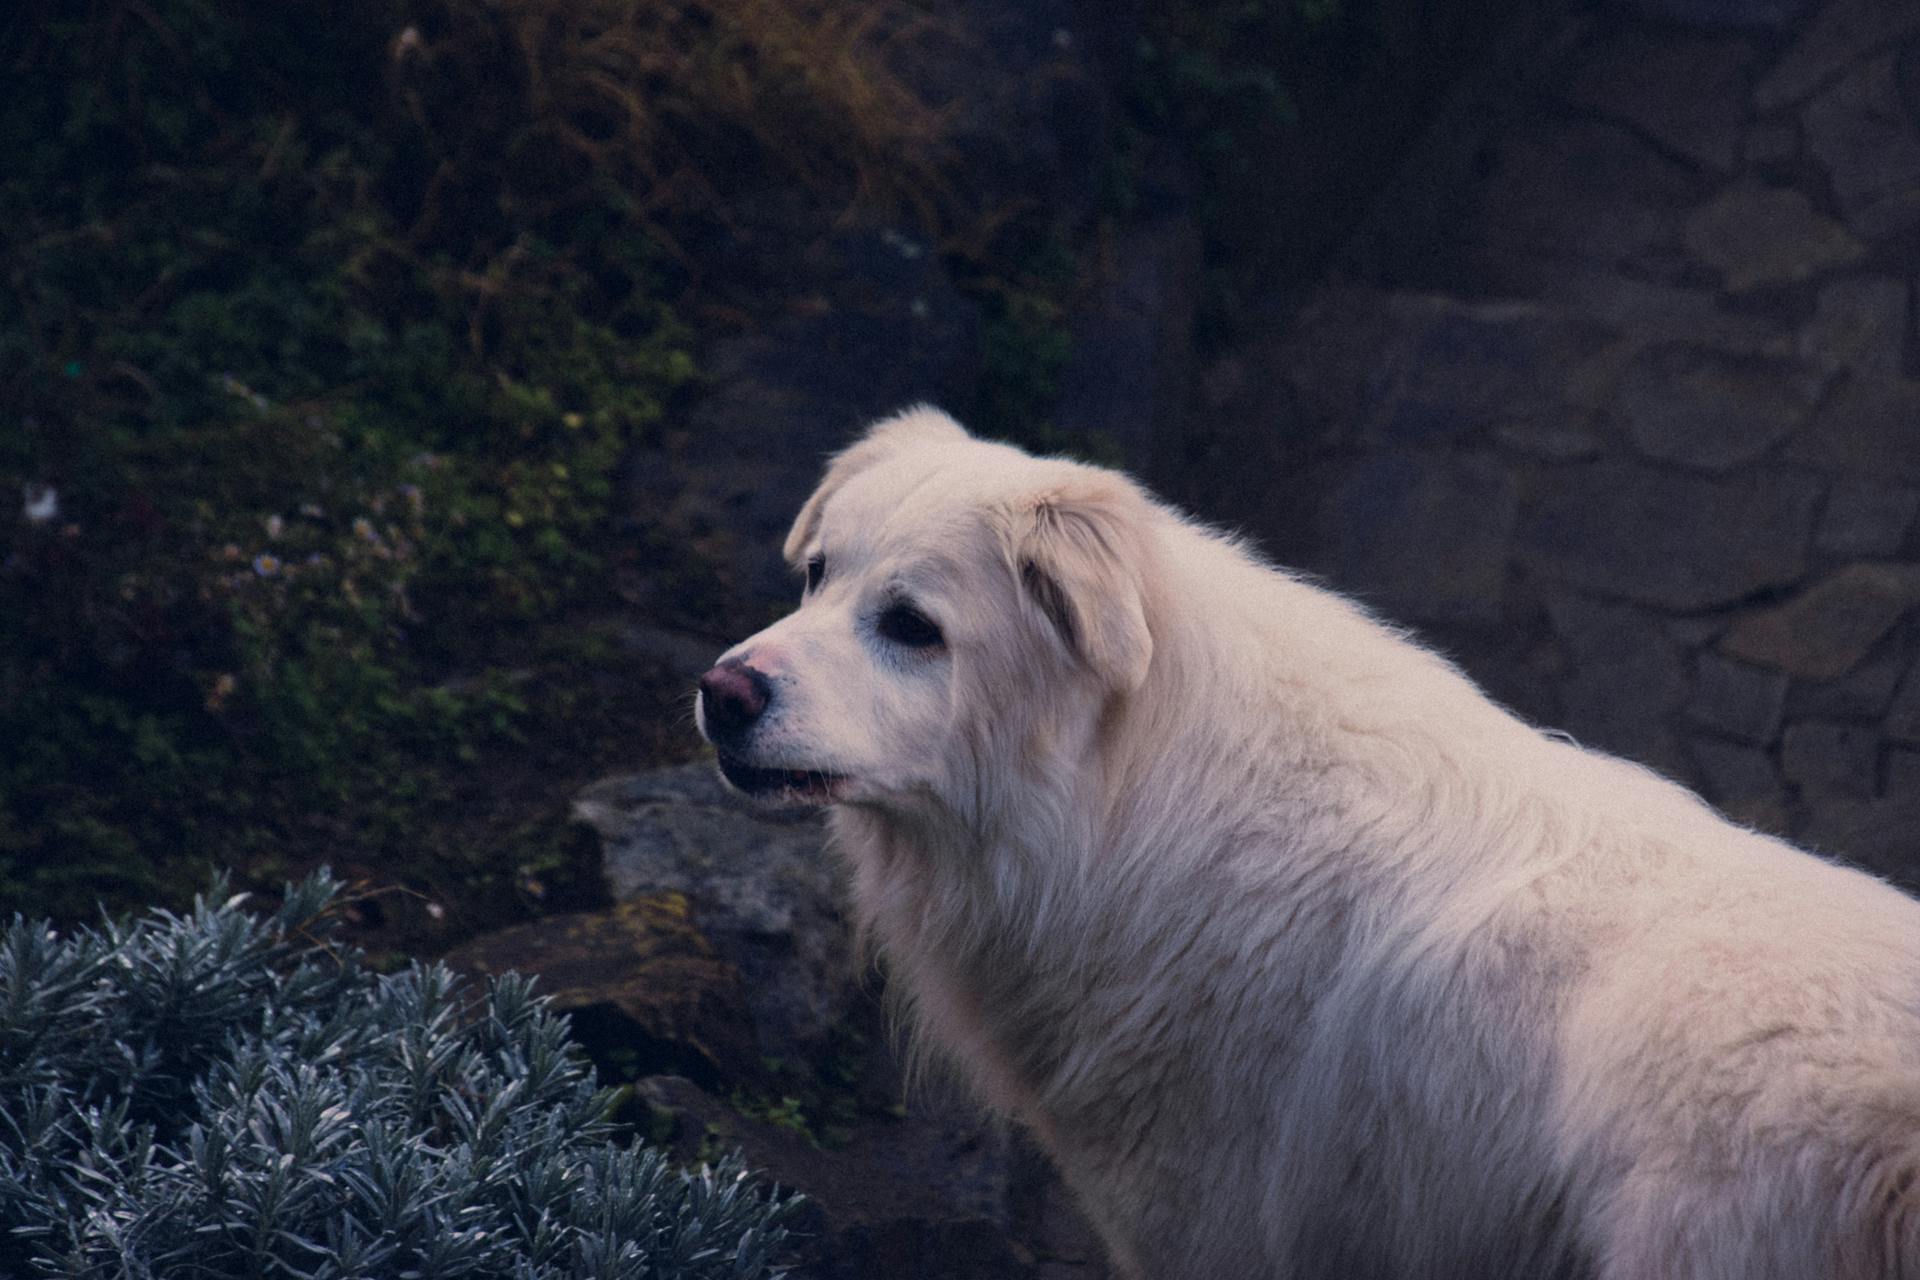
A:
(816, 571)
(905, 625)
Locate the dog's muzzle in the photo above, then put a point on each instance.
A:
(733, 699)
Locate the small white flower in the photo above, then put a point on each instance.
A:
(904, 245)
(39, 503)
(275, 526)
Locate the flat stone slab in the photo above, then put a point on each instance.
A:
(1758, 237)
(1649, 534)
(1880, 835)
(647, 962)
(1859, 323)
(1861, 694)
(1830, 757)
(1826, 630)
(1903, 717)
(1903, 773)
(1452, 368)
(1841, 34)
(1738, 700)
(1865, 135)
(1625, 680)
(1678, 402)
(1869, 427)
(1688, 92)
(1742, 782)
(1771, 144)
(1423, 536)
(1582, 191)
(764, 889)
(1662, 312)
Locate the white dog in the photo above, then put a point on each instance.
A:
(1300, 956)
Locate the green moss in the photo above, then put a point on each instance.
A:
(324, 482)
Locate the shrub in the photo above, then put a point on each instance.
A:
(329, 325)
(219, 1094)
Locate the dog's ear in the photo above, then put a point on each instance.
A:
(1078, 549)
(921, 424)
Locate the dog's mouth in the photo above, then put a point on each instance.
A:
(794, 786)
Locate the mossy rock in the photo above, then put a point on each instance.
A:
(644, 986)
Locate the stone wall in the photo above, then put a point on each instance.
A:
(1627, 418)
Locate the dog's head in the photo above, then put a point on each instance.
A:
(969, 610)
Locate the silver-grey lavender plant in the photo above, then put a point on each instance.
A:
(220, 1095)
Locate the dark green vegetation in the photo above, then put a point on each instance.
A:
(329, 326)
(217, 1094)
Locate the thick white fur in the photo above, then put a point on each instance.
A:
(1300, 956)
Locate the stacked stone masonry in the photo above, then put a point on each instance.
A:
(1635, 434)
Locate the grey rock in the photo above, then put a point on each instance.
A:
(1869, 427)
(1023, 112)
(640, 973)
(1825, 631)
(1225, 460)
(1742, 781)
(1226, 381)
(1863, 520)
(1549, 442)
(1830, 757)
(1903, 717)
(1580, 191)
(1625, 680)
(1878, 835)
(1603, 630)
(1861, 694)
(1703, 408)
(1865, 137)
(1757, 236)
(1696, 631)
(1688, 92)
(1721, 14)
(1329, 356)
(1424, 536)
(1732, 770)
(762, 886)
(1668, 539)
(1903, 775)
(1771, 144)
(1859, 323)
(1657, 312)
(1738, 700)
(1842, 32)
(1455, 367)
(1131, 361)
(891, 330)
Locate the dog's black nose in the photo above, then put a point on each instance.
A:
(732, 696)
